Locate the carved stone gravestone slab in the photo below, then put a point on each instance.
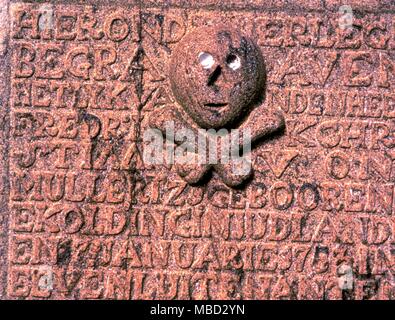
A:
(109, 189)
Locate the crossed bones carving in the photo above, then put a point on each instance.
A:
(217, 76)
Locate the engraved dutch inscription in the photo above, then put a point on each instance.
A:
(160, 151)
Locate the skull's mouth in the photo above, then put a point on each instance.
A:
(215, 105)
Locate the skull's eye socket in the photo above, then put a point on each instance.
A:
(206, 60)
(233, 61)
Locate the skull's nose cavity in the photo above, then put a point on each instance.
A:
(214, 76)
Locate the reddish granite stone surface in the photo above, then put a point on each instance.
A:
(83, 216)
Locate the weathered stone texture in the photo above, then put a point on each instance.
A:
(84, 217)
